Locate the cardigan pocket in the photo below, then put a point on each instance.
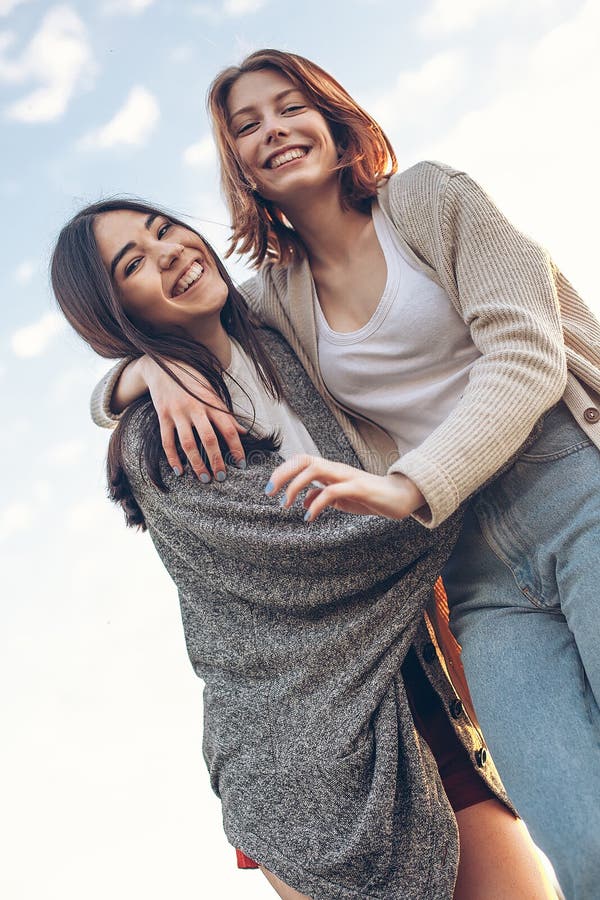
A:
(326, 815)
(351, 771)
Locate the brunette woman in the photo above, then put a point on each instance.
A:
(307, 641)
(417, 308)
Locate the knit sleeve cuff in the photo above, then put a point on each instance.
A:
(101, 412)
(437, 487)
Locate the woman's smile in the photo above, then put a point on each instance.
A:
(161, 270)
(283, 157)
(278, 132)
(189, 279)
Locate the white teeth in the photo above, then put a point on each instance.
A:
(277, 161)
(187, 280)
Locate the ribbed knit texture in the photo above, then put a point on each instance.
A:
(526, 319)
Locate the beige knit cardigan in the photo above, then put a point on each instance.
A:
(539, 342)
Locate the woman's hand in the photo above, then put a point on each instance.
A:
(179, 413)
(345, 488)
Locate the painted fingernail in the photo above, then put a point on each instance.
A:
(204, 478)
(283, 500)
(177, 470)
(307, 515)
(241, 463)
(269, 487)
(220, 476)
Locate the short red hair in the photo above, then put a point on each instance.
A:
(367, 157)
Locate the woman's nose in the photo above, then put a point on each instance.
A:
(168, 254)
(275, 128)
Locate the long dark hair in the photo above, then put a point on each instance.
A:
(88, 298)
(366, 155)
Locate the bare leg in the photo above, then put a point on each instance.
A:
(284, 891)
(498, 859)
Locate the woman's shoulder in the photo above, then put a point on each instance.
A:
(425, 180)
(417, 199)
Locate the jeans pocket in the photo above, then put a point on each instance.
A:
(560, 436)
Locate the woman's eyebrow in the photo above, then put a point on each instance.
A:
(119, 256)
(276, 99)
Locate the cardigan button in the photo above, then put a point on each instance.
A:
(456, 709)
(481, 757)
(591, 414)
(429, 653)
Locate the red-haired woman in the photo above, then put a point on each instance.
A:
(451, 340)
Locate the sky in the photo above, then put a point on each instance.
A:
(104, 790)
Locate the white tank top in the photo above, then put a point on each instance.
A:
(250, 399)
(408, 366)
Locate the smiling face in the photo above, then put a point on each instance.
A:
(284, 144)
(162, 272)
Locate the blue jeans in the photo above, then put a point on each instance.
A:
(524, 592)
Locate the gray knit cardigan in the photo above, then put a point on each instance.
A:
(298, 632)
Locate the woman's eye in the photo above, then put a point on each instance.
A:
(294, 107)
(132, 266)
(246, 128)
(163, 229)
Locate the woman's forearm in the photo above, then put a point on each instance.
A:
(130, 385)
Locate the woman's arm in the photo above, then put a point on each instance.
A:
(345, 488)
(179, 413)
(250, 544)
(190, 419)
(503, 284)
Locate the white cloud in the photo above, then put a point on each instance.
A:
(182, 54)
(87, 514)
(25, 271)
(31, 340)
(7, 6)
(448, 16)
(421, 89)
(235, 8)
(41, 491)
(65, 453)
(206, 11)
(15, 517)
(230, 9)
(126, 7)
(131, 125)
(201, 154)
(535, 145)
(58, 57)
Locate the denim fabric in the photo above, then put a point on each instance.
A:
(523, 586)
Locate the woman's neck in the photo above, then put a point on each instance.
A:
(214, 337)
(328, 231)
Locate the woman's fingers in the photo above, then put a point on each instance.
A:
(297, 471)
(167, 438)
(230, 430)
(296, 467)
(195, 419)
(187, 439)
(330, 496)
(344, 487)
(310, 496)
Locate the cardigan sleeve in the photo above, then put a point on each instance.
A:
(255, 551)
(503, 285)
(100, 410)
